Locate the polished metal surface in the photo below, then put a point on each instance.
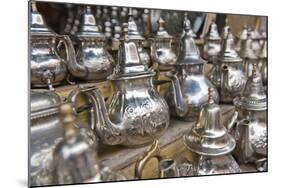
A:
(136, 114)
(251, 129)
(189, 88)
(47, 68)
(212, 42)
(92, 61)
(210, 142)
(263, 63)
(161, 48)
(242, 36)
(227, 73)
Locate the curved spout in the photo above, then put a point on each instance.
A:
(181, 102)
(73, 66)
(108, 132)
(232, 121)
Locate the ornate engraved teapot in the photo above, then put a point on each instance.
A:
(161, 48)
(228, 75)
(210, 142)
(248, 54)
(250, 131)
(135, 36)
(46, 132)
(136, 114)
(189, 88)
(47, 67)
(92, 61)
(212, 43)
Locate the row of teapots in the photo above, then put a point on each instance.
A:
(64, 151)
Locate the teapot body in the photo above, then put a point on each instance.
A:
(143, 113)
(194, 85)
(45, 64)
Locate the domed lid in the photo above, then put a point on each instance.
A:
(228, 52)
(186, 21)
(129, 64)
(43, 103)
(162, 32)
(38, 26)
(225, 29)
(247, 49)
(89, 27)
(244, 33)
(213, 33)
(253, 97)
(209, 136)
(133, 32)
(188, 52)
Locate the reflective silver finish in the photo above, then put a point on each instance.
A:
(248, 54)
(169, 169)
(47, 67)
(242, 36)
(251, 129)
(189, 88)
(46, 133)
(263, 63)
(161, 48)
(212, 43)
(92, 61)
(136, 114)
(210, 142)
(227, 74)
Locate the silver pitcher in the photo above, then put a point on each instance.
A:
(45, 133)
(47, 67)
(136, 114)
(251, 129)
(189, 88)
(210, 142)
(248, 54)
(161, 48)
(212, 43)
(135, 36)
(228, 75)
(92, 61)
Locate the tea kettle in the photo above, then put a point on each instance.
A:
(210, 142)
(212, 43)
(161, 48)
(47, 67)
(228, 75)
(136, 114)
(46, 132)
(92, 61)
(189, 88)
(250, 131)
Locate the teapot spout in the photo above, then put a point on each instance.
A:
(225, 85)
(181, 102)
(74, 67)
(232, 121)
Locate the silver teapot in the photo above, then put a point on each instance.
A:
(227, 73)
(136, 114)
(161, 48)
(46, 132)
(250, 131)
(242, 37)
(248, 54)
(212, 43)
(210, 142)
(92, 61)
(263, 63)
(135, 36)
(189, 88)
(47, 67)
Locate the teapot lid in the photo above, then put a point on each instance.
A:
(38, 26)
(244, 33)
(89, 27)
(133, 31)
(209, 136)
(213, 33)
(253, 96)
(129, 64)
(43, 103)
(225, 29)
(228, 52)
(162, 32)
(247, 49)
(188, 52)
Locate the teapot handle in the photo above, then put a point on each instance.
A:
(152, 152)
